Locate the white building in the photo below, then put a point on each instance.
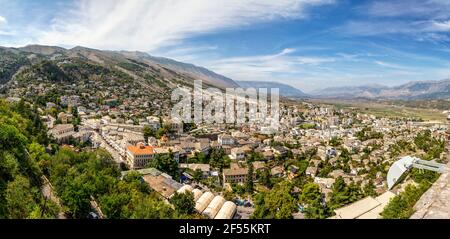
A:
(83, 136)
(237, 154)
(62, 132)
(225, 139)
(153, 122)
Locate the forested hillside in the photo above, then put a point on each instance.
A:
(21, 133)
(10, 62)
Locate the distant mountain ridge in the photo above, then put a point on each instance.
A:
(412, 90)
(160, 74)
(285, 90)
(162, 68)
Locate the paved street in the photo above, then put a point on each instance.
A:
(103, 144)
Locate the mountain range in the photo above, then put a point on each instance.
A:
(409, 91)
(140, 66)
(149, 70)
(157, 74)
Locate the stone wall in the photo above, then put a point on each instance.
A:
(435, 203)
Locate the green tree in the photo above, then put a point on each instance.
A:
(310, 194)
(263, 177)
(275, 204)
(369, 189)
(145, 207)
(318, 210)
(20, 174)
(201, 158)
(76, 117)
(335, 141)
(165, 163)
(198, 175)
(37, 154)
(148, 132)
(368, 133)
(218, 159)
(19, 198)
(313, 198)
(325, 171)
(48, 210)
(343, 194)
(183, 202)
(162, 131)
(249, 187)
(254, 156)
(76, 198)
(78, 176)
(425, 177)
(401, 206)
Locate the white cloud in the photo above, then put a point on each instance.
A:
(5, 33)
(186, 53)
(424, 20)
(190, 50)
(274, 67)
(417, 8)
(370, 28)
(287, 51)
(2, 21)
(258, 66)
(390, 65)
(421, 30)
(315, 60)
(151, 24)
(441, 25)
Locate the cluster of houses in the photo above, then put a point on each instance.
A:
(127, 139)
(303, 129)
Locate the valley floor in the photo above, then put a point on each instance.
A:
(387, 109)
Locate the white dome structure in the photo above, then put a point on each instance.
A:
(227, 211)
(203, 202)
(185, 188)
(214, 207)
(197, 194)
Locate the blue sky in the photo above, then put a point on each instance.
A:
(310, 44)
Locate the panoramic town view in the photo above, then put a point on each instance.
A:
(294, 109)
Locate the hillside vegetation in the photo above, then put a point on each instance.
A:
(77, 177)
(10, 62)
